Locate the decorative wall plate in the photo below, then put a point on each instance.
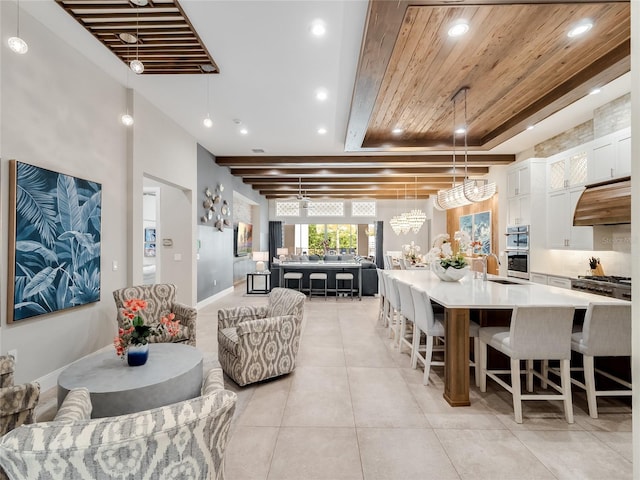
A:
(216, 199)
(224, 210)
(207, 192)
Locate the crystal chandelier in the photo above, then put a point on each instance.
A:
(400, 223)
(469, 191)
(416, 217)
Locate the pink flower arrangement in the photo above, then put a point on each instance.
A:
(135, 332)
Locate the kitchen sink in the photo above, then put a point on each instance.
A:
(505, 282)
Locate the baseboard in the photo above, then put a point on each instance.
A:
(50, 380)
(214, 298)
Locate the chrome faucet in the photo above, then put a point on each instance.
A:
(484, 264)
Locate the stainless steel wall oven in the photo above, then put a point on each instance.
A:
(517, 251)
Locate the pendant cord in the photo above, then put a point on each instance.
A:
(466, 128)
(18, 18)
(454, 142)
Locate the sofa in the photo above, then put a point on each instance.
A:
(368, 269)
(260, 342)
(183, 440)
(161, 301)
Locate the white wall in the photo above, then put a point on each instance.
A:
(61, 113)
(164, 152)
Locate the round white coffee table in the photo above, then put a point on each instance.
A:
(173, 373)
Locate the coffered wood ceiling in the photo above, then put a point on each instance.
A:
(517, 61)
(167, 42)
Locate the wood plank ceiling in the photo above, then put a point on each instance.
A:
(517, 61)
(156, 32)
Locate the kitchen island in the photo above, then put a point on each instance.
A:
(459, 298)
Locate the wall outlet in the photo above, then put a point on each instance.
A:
(215, 282)
(14, 354)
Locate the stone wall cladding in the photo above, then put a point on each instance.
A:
(612, 117)
(571, 138)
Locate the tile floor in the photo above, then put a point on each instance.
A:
(354, 409)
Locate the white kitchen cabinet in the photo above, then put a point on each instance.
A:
(525, 188)
(569, 169)
(538, 278)
(561, 282)
(561, 234)
(611, 157)
(519, 180)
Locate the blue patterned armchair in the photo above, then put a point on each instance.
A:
(17, 402)
(183, 440)
(256, 343)
(161, 300)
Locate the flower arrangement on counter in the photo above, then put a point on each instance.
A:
(136, 332)
(443, 250)
(411, 252)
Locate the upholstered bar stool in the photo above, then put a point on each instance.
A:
(394, 307)
(318, 277)
(432, 325)
(535, 333)
(383, 313)
(606, 332)
(293, 276)
(407, 312)
(344, 277)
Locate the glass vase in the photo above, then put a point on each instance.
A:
(137, 355)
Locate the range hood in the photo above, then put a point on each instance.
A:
(604, 203)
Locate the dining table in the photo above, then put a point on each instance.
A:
(470, 293)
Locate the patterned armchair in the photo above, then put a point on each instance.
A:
(17, 402)
(183, 440)
(161, 300)
(256, 343)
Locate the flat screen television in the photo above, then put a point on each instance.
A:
(243, 239)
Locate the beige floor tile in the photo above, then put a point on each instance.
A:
(249, 452)
(407, 454)
(266, 406)
(316, 454)
(366, 351)
(381, 398)
(491, 455)
(319, 397)
(321, 351)
(620, 442)
(463, 420)
(321, 326)
(606, 422)
(571, 455)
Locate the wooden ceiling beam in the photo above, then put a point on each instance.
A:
(336, 181)
(336, 171)
(359, 195)
(364, 160)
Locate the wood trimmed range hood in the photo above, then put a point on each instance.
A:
(604, 203)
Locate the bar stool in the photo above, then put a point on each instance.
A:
(317, 276)
(344, 276)
(293, 276)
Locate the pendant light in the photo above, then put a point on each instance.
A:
(17, 44)
(207, 121)
(469, 191)
(126, 118)
(136, 65)
(416, 217)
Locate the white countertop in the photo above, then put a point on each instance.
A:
(477, 293)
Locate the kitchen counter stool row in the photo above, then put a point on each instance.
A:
(544, 333)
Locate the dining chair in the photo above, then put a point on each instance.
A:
(606, 332)
(535, 333)
(407, 316)
(383, 312)
(432, 325)
(394, 306)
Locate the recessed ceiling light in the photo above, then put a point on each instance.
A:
(458, 28)
(397, 130)
(460, 130)
(322, 94)
(127, 37)
(530, 127)
(318, 28)
(581, 28)
(322, 131)
(244, 131)
(594, 91)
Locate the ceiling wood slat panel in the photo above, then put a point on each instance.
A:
(517, 61)
(161, 27)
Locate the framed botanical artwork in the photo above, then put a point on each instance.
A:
(482, 231)
(150, 234)
(150, 249)
(54, 241)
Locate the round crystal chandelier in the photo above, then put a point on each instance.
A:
(416, 217)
